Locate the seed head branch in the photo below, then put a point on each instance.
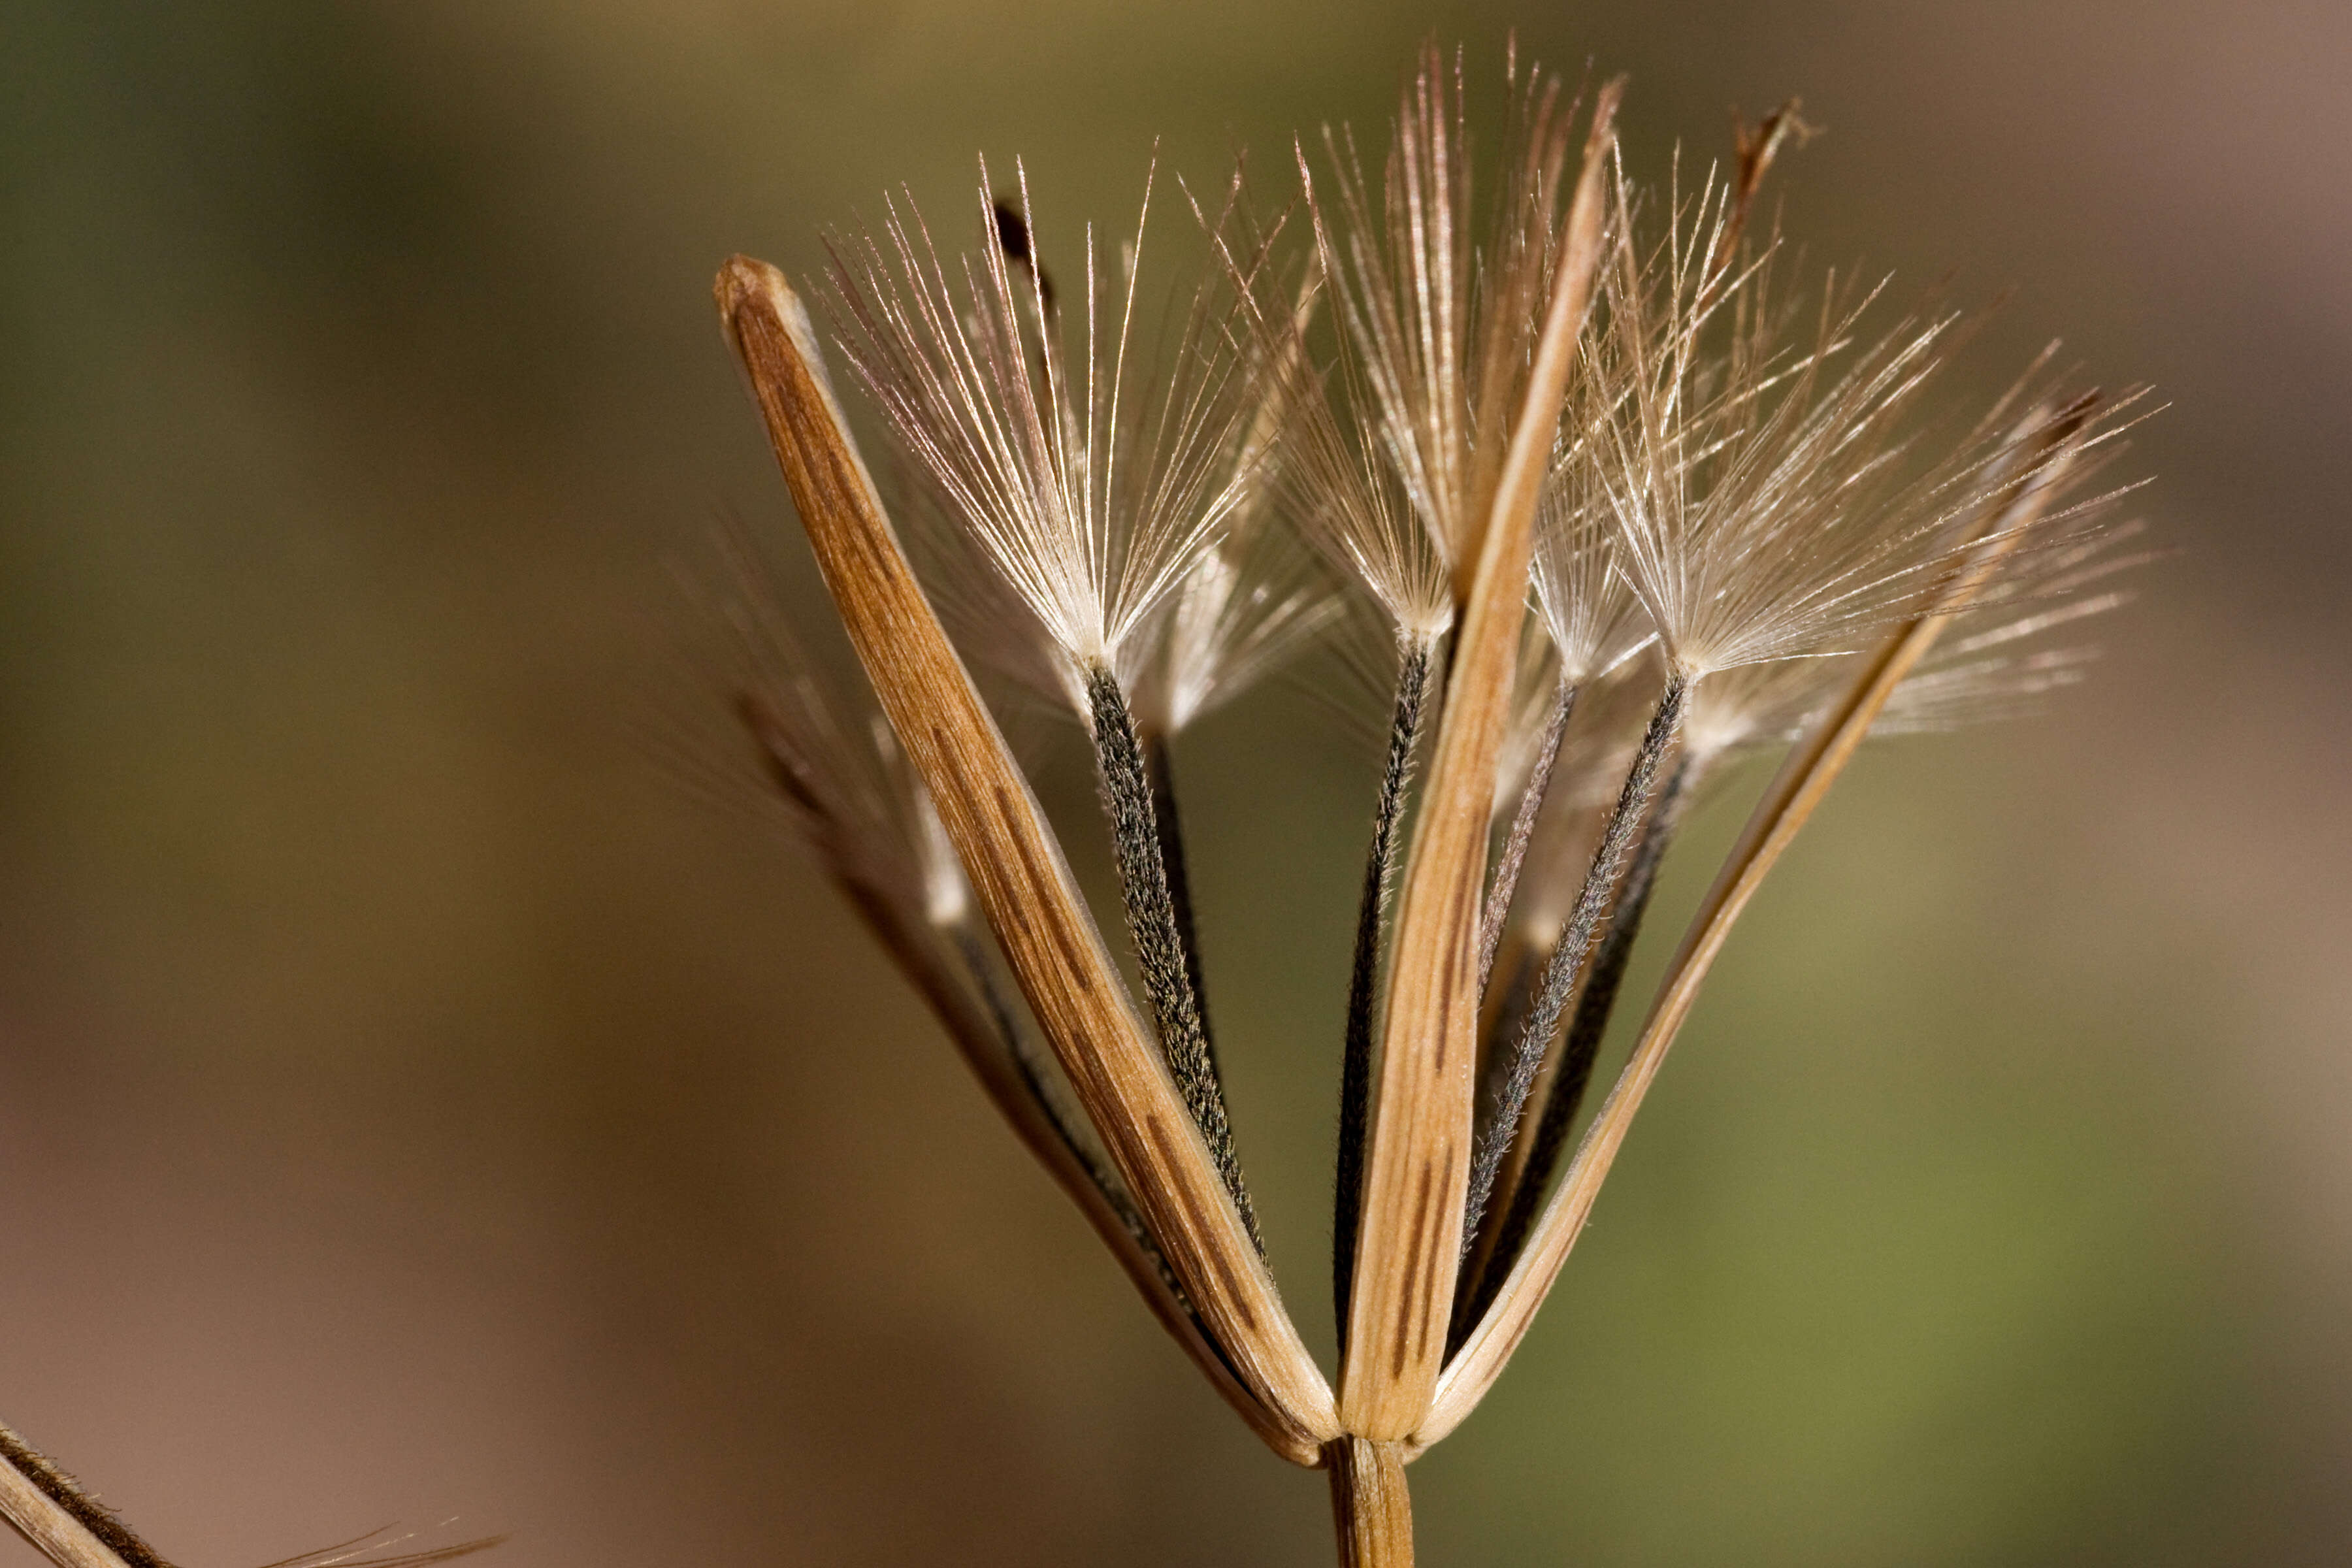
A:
(1812, 767)
(1567, 1070)
(1013, 864)
(1419, 1167)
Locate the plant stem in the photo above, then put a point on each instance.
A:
(1151, 921)
(1370, 1506)
(1161, 775)
(1356, 1066)
(1523, 826)
(1567, 960)
(70, 1528)
(1573, 1074)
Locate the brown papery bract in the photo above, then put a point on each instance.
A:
(1016, 867)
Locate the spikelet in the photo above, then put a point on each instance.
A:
(1990, 668)
(1090, 487)
(1772, 471)
(1435, 316)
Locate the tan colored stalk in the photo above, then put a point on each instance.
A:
(1812, 767)
(39, 1519)
(1411, 1237)
(1014, 862)
(1371, 1504)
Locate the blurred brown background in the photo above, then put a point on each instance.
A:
(415, 1103)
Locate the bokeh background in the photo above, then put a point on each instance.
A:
(417, 1104)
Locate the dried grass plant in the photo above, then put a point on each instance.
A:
(1627, 498)
(1624, 496)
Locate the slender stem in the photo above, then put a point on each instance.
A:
(1029, 1061)
(1573, 1072)
(1370, 1505)
(1363, 979)
(1506, 1005)
(1160, 775)
(1158, 944)
(1523, 826)
(71, 1528)
(1010, 1064)
(1502, 1012)
(1567, 960)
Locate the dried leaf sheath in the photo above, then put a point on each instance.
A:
(1014, 864)
(1420, 1164)
(1812, 767)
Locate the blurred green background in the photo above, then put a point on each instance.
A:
(416, 1104)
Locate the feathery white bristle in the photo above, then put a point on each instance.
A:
(1432, 325)
(1771, 481)
(1584, 601)
(1438, 316)
(1995, 674)
(1757, 705)
(1962, 683)
(1237, 615)
(1255, 598)
(1346, 502)
(994, 626)
(1980, 691)
(1091, 501)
